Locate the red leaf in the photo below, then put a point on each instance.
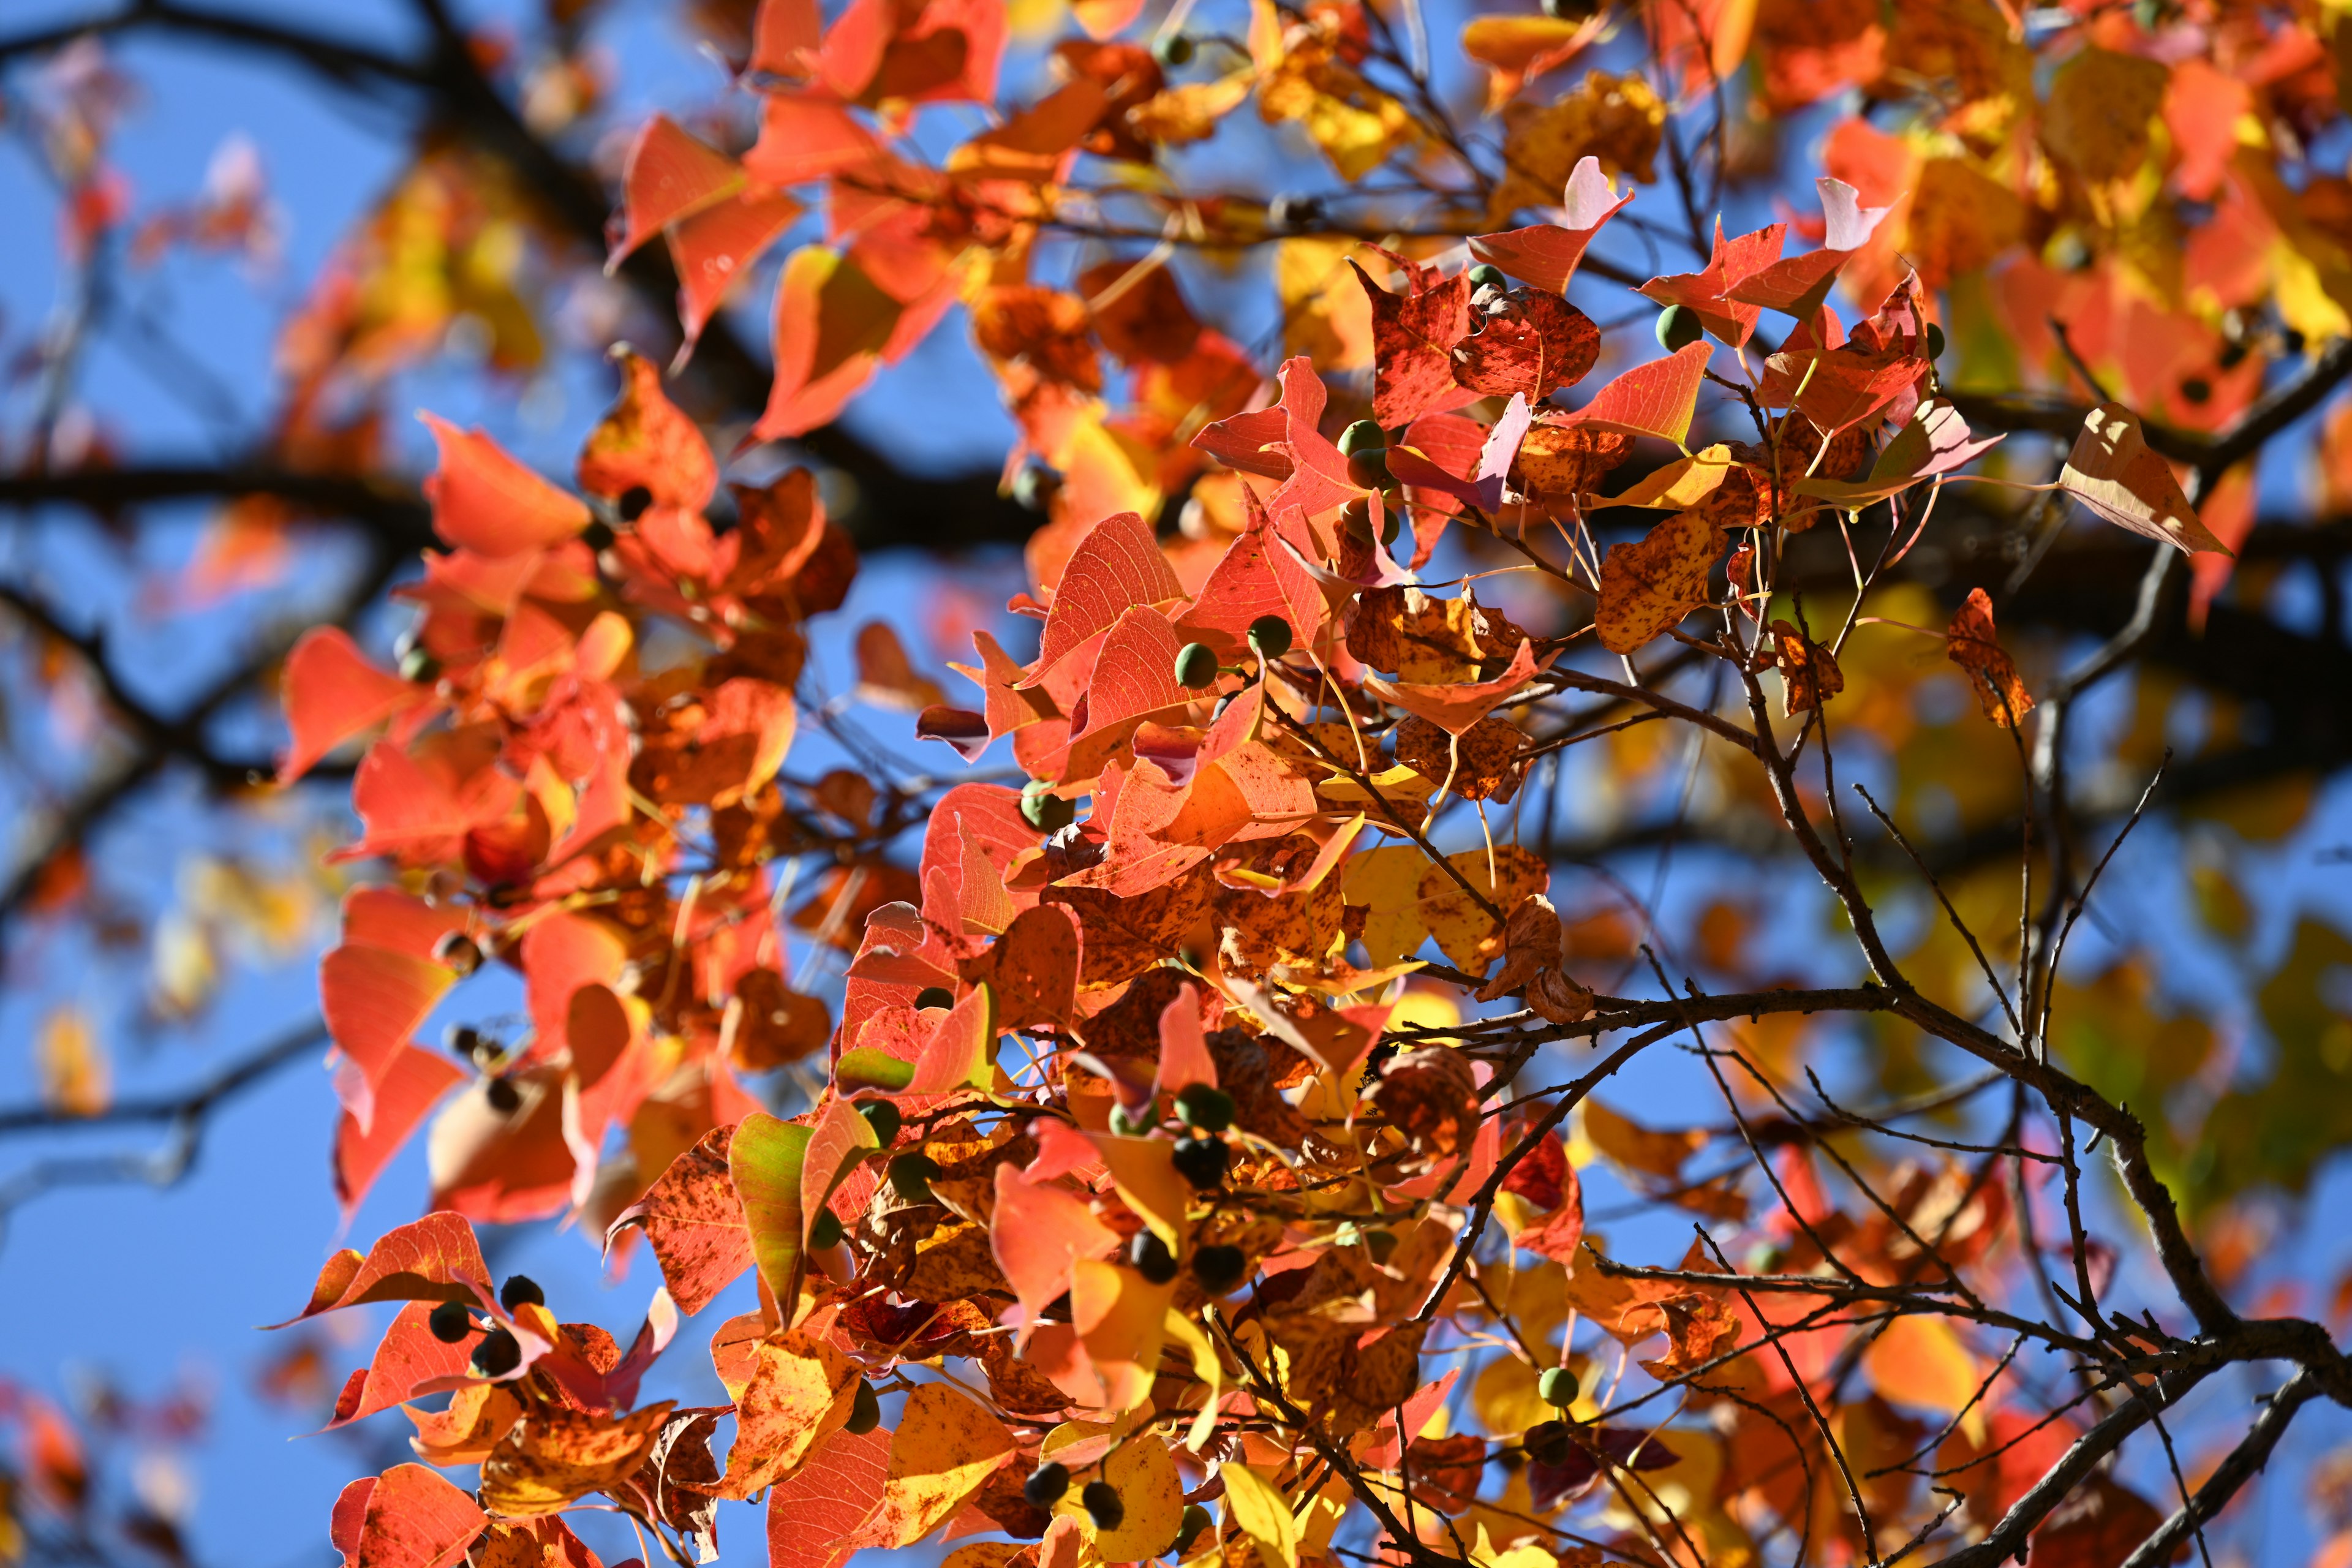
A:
(409, 1355)
(485, 502)
(806, 136)
(411, 1087)
(833, 324)
(785, 34)
(1135, 673)
(1413, 346)
(1118, 566)
(1284, 442)
(1038, 1232)
(406, 1517)
(1704, 293)
(1797, 285)
(1546, 255)
(814, 1516)
(333, 693)
(671, 174)
(694, 1223)
(645, 442)
(435, 1259)
(714, 250)
(1655, 398)
(1254, 577)
(373, 994)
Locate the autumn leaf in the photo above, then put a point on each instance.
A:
(2112, 471)
(1648, 585)
(1972, 643)
(406, 1517)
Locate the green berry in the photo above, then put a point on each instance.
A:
(1045, 1485)
(519, 1288)
(1269, 636)
(419, 666)
(883, 1118)
(865, 1411)
(1103, 1505)
(1129, 1123)
(1678, 328)
(1151, 1258)
(498, 1354)
(1356, 520)
(1034, 486)
(1042, 809)
(1935, 341)
(1486, 275)
(1204, 1105)
(1172, 50)
(1557, 1386)
(1363, 435)
(934, 996)
(1381, 1244)
(825, 1231)
(910, 1175)
(1196, 667)
(1189, 1527)
(1570, 10)
(1219, 1268)
(451, 1323)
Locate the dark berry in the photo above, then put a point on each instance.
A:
(1547, 1442)
(460, 951)
(451, 1323)
(865, 1411)
(519, 1288)
(498, 1354)
(1381, 1244)
(1202, 1161)
(1935, 341)
(1219, 1268)
(883, 1118)
(1570, 10)
(1557, 1386)
(1151, 1258)
(504, 1097)
(910, 1175)
(1045, 1485)
(2197, 389)
(1189, 1527)
(1293, 212)
(1486, 275)
(1269, 636)
(1103, 1505)
(598, 535)
(1172, 50)
(825, 1231)
(465, 1040)
(934, 996)
(1196, 667)
(1205, 1106)
(633, 502)
(420, 666)
(1678, 328)
(1034, 486)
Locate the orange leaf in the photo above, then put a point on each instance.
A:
(332, 693)
(1648, 585)
(406, 1517)
(1546, 255)
(671, 174)
(1039, 1231)
(1973, 644)
(1655, 398)
(1116, 567)
(694, 1223)
(485, 502)
(645, 442)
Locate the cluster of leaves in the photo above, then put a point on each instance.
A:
(1155, 1116)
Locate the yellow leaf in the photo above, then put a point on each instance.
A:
(945, 1447)
(1326, 314)
(2097, 121)
(1260, 1512)
(1120, 1316)
(1387, 882)
(1144, 1474)
(75, 1077)
(1469, 936)
(800, 1393)
(1634, 1147)
(1920, 1361)
(1618, 120)
(1207, 1368)
(1144, 1171)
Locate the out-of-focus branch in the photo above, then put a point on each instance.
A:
(196, 1101)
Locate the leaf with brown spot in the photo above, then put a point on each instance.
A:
(554, 1458)
(1649, 584)
(1413, 336)
(1469, 936)
(694, 1223)
(1973, 644)
(1809, 672)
